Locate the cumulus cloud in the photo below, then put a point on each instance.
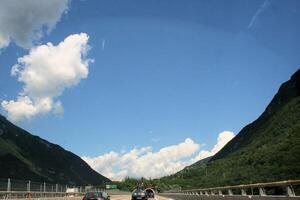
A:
(144, 162)
(46, 72)
(223, 138)
(27, 20)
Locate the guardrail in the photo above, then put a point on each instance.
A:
(289, 188)
(20, 189)
(13, 189)
(30, 195)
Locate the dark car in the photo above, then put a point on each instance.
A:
(139, 194)
(96, 196)
(150, 193)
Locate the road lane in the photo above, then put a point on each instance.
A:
(128, 197)
(120, 197)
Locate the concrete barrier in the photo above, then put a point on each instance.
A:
(288, 189)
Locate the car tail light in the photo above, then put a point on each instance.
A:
(83, 198)
(100, 198)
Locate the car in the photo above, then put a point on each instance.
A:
(150, 193)
(96, 196)
(139, 194)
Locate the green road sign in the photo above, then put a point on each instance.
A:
(111, 187)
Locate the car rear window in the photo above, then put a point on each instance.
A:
(93, 195)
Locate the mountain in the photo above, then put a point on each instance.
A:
(197, 165)
(27, 157)
(268, 149)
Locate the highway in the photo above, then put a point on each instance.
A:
(12, 189)
(128, 197)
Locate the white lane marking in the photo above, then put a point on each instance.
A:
(163, 198)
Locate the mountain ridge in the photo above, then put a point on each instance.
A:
(268, 149)
(286, 92)
(30, 157)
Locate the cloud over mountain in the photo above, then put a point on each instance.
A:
(223, 138)
(46, 72)
(144, 162)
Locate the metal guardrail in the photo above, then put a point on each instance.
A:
(12, 189)
(21, 185)
(288, 188)
(20, 189)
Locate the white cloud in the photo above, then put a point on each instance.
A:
(260, 10)
(25, 108)
(144, 162)
(27, 20)
(103, 44)
(223, 138)
(46, 72)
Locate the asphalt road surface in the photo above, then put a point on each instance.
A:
(128, 197)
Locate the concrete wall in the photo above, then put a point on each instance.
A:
(226, 197)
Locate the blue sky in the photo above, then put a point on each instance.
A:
(164, 71)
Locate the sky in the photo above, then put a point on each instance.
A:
(143, 87)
